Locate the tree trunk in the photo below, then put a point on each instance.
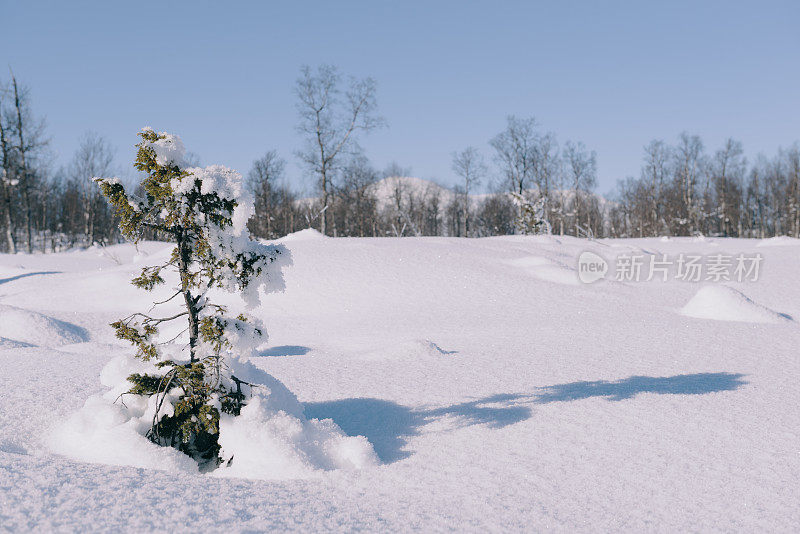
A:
(323, 220)
(87, 216)
(26, 195)
(28, 215)
(466, 208)
(184, 259)
(12, 247)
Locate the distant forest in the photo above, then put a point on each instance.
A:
(683, 189)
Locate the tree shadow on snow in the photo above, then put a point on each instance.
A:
(695, 384)
(285, 350)
(384, 423)
(78, 333)
(5, 280)
(388, 425)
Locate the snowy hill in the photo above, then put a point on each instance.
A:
(386, 191)
(498, 391)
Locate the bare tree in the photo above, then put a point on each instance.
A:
(727, 174)
(515, 151)
(547, 163)
(754, 205)
(30, 140)
(469, 165)
(262, 180)
(547, 173)
(357, 204)
(689, 162)
(330, 120)
(93, 158)
(399, 213)
(581, 172)
(6, 182)
(24, 171)
(655, 173)
(791, 164)
(495, 215)
(394, 170)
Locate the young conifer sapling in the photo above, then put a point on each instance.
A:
(204, 211)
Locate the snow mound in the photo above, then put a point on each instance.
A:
(270, 439)
(268, 442)
(779, 241)
(104, 432)
(24, 328)
(309, 234)
(724, 303)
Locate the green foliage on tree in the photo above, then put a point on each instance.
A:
(204, 212)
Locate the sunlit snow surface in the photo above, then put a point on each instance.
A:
(497, 391)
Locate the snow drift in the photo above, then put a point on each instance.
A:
(724, 303)
(23, 328)
(270, 439)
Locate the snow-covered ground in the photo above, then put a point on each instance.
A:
(497, 390)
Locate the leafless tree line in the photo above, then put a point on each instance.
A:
(42, 209)
(682, 189)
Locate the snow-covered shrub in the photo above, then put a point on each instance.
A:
(204, 211)
(530, 216)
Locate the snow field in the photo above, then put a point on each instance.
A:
(493, 398)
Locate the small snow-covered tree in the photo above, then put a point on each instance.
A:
(530, 216)
(204, 211)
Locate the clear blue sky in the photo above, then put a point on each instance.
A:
(611, 74)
